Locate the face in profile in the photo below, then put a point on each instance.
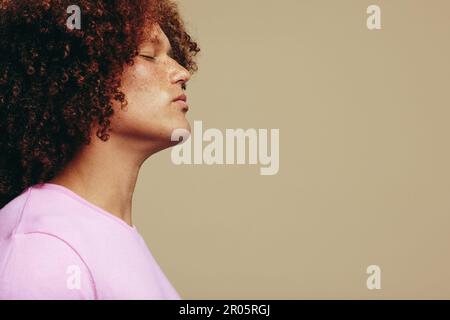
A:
(154, 89)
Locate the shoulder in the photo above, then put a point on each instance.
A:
(38, 258)
(49, 211)
(10, 214)
(43, 266)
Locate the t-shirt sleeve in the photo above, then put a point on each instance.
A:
(41, 266)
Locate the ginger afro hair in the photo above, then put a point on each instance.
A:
(56, 83)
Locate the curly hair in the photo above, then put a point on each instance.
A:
(56, 83)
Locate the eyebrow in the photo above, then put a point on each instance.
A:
(170, 53)
(156, 40)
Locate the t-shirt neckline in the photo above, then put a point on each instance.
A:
(77, 197)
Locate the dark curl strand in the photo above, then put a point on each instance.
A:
(56, 84)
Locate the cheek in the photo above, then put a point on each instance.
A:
(137, 78)
(142, 77)
(149, 111)
(144, 87)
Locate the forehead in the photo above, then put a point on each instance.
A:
(153, 34)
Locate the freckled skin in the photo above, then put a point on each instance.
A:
(150, 86)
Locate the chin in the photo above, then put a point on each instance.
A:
(179, 123)
(185, 125)
(166, 132)
(185, 130)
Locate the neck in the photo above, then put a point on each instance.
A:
(105, 174)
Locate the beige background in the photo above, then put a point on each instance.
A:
(364, 154)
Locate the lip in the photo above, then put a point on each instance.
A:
(181, 97)
(182, 101)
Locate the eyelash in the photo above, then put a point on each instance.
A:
(148, 57)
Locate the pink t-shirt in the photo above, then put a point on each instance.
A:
(56, 245)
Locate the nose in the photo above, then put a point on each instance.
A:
(180, 75)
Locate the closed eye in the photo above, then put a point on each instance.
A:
(147, 57)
